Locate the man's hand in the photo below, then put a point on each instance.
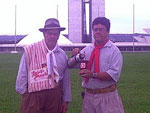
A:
(75, 51)
(85, 73)
(64, 107)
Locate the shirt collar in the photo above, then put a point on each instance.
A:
(55, 49)
(108, 44)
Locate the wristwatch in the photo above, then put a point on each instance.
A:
(94, 75)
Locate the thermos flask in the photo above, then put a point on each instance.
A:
(73, 61)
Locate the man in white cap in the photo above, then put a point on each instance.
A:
(43, 77)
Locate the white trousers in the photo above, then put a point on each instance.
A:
(102, 103)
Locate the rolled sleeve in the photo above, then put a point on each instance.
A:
(21, 81)
(115, 66)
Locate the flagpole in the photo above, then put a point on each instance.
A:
(57, 11)
(15, 25)
(133, 26)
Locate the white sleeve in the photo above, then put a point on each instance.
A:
(22, 77)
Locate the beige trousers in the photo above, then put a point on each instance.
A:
(102, 103)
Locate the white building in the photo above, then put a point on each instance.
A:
(76, 17)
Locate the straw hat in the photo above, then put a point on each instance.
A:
(52, 23)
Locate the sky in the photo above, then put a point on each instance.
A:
(31, 15)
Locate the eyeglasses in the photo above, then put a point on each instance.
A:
(52, 33)
(99, 29)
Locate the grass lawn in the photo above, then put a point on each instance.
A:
(133, 86)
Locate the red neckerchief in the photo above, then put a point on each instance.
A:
(95, 57)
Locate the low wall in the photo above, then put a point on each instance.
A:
(70, 48)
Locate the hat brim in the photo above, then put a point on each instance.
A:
(52, 28)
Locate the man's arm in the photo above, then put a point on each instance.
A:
(104, 76)
(21, 81)
(113, 73)
(72, 63)
(66, 88)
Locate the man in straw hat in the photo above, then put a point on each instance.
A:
(43, 77)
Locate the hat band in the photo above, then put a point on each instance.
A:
(51, 25)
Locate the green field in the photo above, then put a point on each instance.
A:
(134, 86)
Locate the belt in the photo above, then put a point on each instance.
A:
(108, 89)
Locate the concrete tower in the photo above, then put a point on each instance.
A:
(79, 22)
